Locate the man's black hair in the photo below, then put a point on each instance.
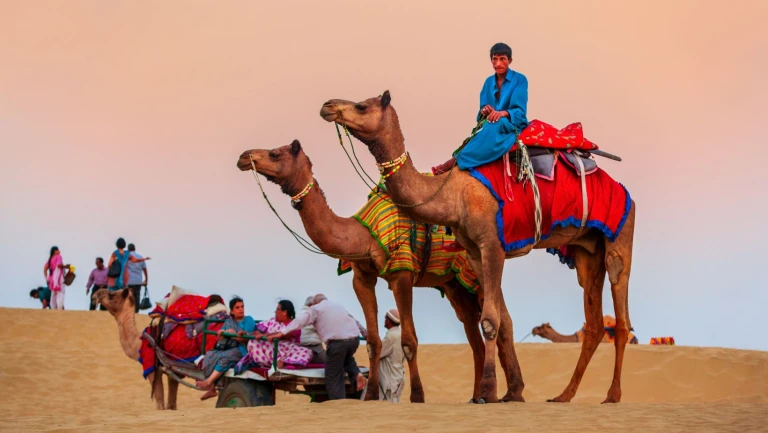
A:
(501, 49)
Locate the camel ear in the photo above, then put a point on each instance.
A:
(295, 147)
(385, 99)
(125, 293)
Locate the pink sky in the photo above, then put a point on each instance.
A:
(126, 119)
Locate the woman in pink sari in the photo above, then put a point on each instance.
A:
(288, 351)
(54, 274)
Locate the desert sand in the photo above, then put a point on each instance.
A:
(65, 371)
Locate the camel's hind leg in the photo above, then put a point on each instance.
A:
(618, 262)
(173, 389)
(365, 288)
(467, 310)
(590, 269)
(401, 284)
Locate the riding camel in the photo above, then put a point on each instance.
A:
(547, 332)
(120, 304)
(291, 169)
(459, 201)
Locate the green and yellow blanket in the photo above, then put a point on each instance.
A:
(405, 242)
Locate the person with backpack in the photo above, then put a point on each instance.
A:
(117, 276)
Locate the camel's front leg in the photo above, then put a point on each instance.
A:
(173, 389)
(590, 269)
(492, 264)
(155, 380)
(401, 284)
(467, 310)
(365, 288)
(508, 357)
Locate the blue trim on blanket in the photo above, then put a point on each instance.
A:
(570, 221)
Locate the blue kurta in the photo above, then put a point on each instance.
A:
(495, 139)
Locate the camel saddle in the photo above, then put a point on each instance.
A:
(543, 161)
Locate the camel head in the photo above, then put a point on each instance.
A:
(115, 300)
(373, 121)
(544, 331)
(287, 166)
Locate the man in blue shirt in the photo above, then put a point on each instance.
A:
(43, 294)
(135, 277)
(504, 102)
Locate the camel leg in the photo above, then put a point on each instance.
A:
(590, 269)
(365, 288)
(155, 380)
(173, 388)
(401, 284)
(468, 312)
(492, 265)
(508, 357)
(618, 260)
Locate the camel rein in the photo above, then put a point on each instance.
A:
(394, 165)
(309, 246)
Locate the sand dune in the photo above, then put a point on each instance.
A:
(65, 371)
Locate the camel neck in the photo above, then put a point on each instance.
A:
(409, 187)
(330, 232)
(556, 337)
(130, 338)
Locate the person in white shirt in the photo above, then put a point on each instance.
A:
(310, 338)
(340, 332)
(391, 358)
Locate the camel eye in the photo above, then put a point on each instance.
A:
(274, 156)
(360, 107)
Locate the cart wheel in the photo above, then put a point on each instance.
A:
(245, 393)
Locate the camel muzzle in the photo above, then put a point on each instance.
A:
(330, 111)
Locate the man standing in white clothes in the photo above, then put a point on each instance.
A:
(340, 332)
(391, 371)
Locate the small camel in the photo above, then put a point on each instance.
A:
(546, 331)
(464, 204)
(290, 168)
(120, 304)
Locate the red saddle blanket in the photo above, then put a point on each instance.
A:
(177, 344)
(561, 203)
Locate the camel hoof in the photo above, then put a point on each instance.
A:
(481, 401)
(472, 401)
(610, 400)
(558, 400)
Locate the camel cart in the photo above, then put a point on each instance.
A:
(252, 388)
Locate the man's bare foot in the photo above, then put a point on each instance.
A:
(280, 363)
(202, 384)
(209, 394)
(360, 382)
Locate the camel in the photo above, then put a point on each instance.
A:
(457, 200)
(290, 168)
(546, 331)
(120, 304)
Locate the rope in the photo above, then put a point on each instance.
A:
(309, 246)
(529, 334)
(526, 173)
(401, 205)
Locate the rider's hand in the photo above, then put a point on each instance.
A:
(496, 115)
(486, 110)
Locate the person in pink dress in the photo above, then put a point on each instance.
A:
(54, 271)
(289, 350)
